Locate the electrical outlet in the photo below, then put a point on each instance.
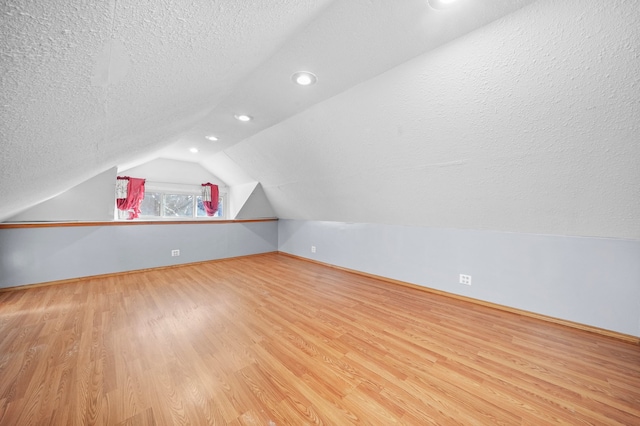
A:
(175, 253)
(313, 249)
(465, 279)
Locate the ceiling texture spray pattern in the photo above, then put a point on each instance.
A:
(90, 85)
(514, 115)
(501, 129)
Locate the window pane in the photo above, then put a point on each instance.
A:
(150, 204)
(178, 205)
(201, 212)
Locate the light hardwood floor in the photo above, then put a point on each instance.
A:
(274, 340)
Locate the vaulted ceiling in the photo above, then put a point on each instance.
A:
(491, 114)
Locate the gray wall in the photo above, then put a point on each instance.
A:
(592, 281)
(92, 200)
(256, 206)
(35, 255)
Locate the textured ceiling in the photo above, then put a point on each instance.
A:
(89, 85)
(529, 124)
(494, 114)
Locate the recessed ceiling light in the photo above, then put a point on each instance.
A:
(211, 138)
(304, 78)
(441, 4)
(194, 150)
(243, 117)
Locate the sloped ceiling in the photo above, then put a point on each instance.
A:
(529, 124)
(493, 114)
(89, 85)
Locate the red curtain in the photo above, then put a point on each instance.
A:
(135, 195)
(210, 198)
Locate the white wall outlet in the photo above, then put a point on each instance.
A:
(313, 249)
(175, 253)
(465, 279)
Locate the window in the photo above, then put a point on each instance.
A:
(200, 211)
(175, 206)
(151, 204)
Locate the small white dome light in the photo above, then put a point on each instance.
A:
(441, 4)
(194, 150)
(243, 117)
(211, 138)
(304, 78)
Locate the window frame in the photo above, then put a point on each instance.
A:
(192, 190)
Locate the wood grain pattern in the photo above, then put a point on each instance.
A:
(572, 324)
(273, 340)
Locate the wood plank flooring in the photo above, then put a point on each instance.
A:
(274, 340)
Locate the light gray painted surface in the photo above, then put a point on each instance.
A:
(93, 84)
(528, 125)
(92, 200)
(163, 170)
(593, 281)
(256, 206)
(248, 201)
(35, 255)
